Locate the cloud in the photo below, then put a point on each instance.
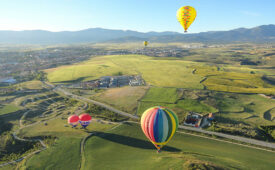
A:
(251, 14)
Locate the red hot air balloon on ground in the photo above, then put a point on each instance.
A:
(73, 120)
(85, 120)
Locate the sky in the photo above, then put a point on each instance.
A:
(138, 15)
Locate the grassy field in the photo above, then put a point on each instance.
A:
(157, 72)
(65, 153)
(34, 85)
(124, 98)
(9, 108)
(247, 108)
(174, 99)
(164, 72)
(127, 148)
(239, 114)
(164, 95)
(234, 81)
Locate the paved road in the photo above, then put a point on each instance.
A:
(237, 138)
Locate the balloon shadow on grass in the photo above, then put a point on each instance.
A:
(132, 142)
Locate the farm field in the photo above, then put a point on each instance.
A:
(164, 72)
(124, 98)
(234, 82)
(166, 95)
(174, 73)
(173, 99)
(125, 147)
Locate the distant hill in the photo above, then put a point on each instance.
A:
(265, 33)
(91, 35)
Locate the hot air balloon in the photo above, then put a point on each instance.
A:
(145, 43)
(73, 120)
(186, 16)
(159, 124)
(85, 120)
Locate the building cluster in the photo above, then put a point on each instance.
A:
(110, 82)
(197, 120)
(7, 80)
(164, 52)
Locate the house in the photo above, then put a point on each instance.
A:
(193, 119)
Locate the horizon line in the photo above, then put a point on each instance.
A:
(115, 29)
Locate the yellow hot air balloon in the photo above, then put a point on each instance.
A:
(186, 15)
(145, 43)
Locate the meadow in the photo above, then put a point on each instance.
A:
(124, 98)
(126, 147)
(163, 73)
(172, 98)
(65, 153)
(166, 72)
(164, 95)
(8, 108)
(33, 85)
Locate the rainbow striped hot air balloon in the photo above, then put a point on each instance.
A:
(159, 124)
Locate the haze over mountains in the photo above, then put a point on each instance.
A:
(260, 34)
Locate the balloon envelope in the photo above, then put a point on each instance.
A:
(85, 119)
(145, 43)
(159, 124)
(73, 120)
(186, 16)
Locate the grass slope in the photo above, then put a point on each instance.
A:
(127, 148)
(172, 98)
(165, 95)
(124, 98)
(163, 72)
(157, 72)
(65, 153)
(237, 82)
(4, 109)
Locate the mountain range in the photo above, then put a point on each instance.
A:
(260, 34)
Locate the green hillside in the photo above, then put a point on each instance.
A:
(127, 148)
(169, 73)
(164, 72)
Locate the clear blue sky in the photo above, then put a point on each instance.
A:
(139, 15)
